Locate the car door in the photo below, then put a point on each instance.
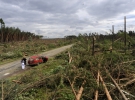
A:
(40, 59)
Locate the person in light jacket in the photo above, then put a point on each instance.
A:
(23, 64)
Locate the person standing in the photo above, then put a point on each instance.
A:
(23, 64)
(24, 59)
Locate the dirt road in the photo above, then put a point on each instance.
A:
(13, 67)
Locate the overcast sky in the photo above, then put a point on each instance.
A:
(59, 18)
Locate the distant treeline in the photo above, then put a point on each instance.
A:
(8, 34)
(119, 34)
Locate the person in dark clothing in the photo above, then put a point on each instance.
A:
(24, 60)
(44, 58)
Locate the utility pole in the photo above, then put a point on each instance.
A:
(125, 40)
(125, 30)
(112, 35)
(1, 30)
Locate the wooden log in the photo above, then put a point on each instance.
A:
(16, 81)
(72, 87)
(128, 62)
(129, 82)
(124, 97)
(96, 93)
(2, 90)
(70, 58)
(105, 88)
(78, 96)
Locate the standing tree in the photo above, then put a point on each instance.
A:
(2, 26)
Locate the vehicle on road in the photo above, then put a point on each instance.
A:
(35, 60)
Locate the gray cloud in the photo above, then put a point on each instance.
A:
(55, 17)
(109, 9)
(57, 6)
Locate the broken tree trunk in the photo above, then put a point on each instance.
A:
(72, 86)
(16, 81)
(106, 90)
(78, 96)
(129, 82)
(2, 90)
(124, 97)
(96, 93)
(70, 58)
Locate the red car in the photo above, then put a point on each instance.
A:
(35, 60)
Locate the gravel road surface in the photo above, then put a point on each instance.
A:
(13, 67)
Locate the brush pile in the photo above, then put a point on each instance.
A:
(90, 70)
